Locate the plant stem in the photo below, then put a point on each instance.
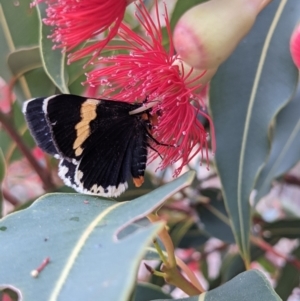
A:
(247, 263)
(269, 248)
(10, 198)
(174, 277)
(190, 274)
(160, 252)
(170, 270)
(166, 239)
(42, 173)
(290, 179)
(154, 272)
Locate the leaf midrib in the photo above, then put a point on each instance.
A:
(262, 60)
(282, 154)
(12, 48)
(76, 250)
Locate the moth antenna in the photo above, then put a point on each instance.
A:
(157, 142)
(144, 107)
(155, 150)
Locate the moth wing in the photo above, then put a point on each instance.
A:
(69, 117)
(38, 125)
(100, 144)
(66, 171)
(73, 119)
(108, 162)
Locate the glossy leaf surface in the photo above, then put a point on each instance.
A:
(79, 235)
(246, 93)
(247, 286)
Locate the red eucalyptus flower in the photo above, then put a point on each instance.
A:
(149, 71)
(76, 21)
(295, 46)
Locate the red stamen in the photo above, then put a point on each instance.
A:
(151, 71)
(37, 271)
(75, 22)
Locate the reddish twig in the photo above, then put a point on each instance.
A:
(36, 272)
(289, 179)
(269, 248)
(10, 198)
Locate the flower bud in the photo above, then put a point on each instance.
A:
(295, 46)
(209, 32)
(197, 76)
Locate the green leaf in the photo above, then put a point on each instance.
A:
(53, 59)
(214, 222)
(39, 83)
(76, 71)
(76, 87)
(2, 166)
(251, 285)
(213, 216)
(17, 20)
(285, 149)
(9, 147)
(248, 286)
(152, 253)
(289, 278)
(284, 228)
(79, 234)
(246, 93)
(268, 265)
(148, 291)
(233, 264)
(24, 60)
(192, 236)
(28, 72)
(27, 62)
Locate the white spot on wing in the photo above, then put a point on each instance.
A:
(112, 191)
(62, 173)
(79, 174)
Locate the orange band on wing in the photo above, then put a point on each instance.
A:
(138, 182)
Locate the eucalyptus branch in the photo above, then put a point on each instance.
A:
(269, 248)
(190, 274)
(160, 252)
(166, 239)
(290, 179)
(10, 198)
